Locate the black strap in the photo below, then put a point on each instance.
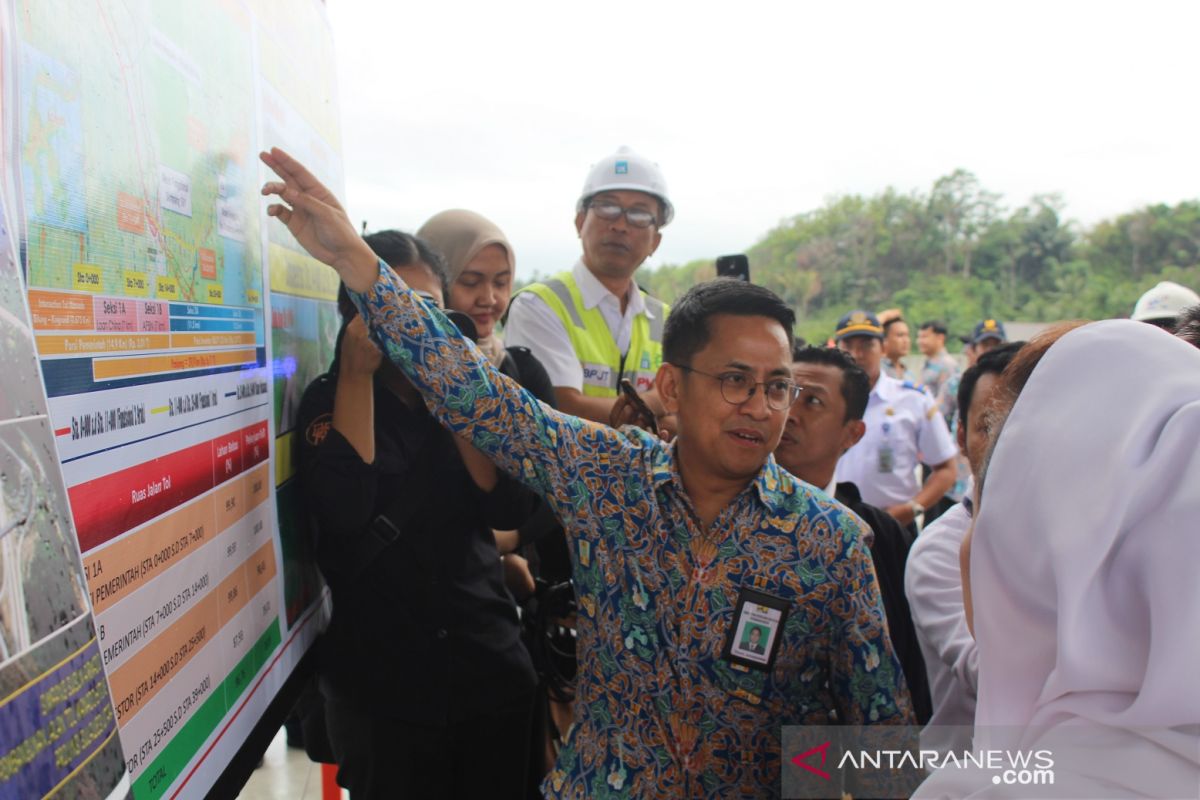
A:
(388, 525)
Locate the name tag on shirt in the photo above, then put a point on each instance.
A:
(599, 375)
(753, 638)
(887, 458)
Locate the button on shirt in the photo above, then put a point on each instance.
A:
(659, 711)
(532, 324)
(904, 429)
(933, 584)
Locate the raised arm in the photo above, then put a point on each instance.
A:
(554, 453)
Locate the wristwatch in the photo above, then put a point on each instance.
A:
(917, 508)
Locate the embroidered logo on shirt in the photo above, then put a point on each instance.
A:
(318, 429)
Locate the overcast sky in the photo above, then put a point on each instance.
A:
(758, 111)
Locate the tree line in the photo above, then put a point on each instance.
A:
(956, 254)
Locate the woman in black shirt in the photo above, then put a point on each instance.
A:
(428, 686)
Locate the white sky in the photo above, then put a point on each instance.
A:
(758, 111)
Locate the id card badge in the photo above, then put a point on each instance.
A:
(887, 458)
(753, 638)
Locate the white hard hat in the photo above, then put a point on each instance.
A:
(626, 170)
(1164, 301)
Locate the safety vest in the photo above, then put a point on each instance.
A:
(603, 366)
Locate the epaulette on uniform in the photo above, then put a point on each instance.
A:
(915, 387)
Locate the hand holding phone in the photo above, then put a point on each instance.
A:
(631, 409)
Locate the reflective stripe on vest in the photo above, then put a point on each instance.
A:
(593, 342)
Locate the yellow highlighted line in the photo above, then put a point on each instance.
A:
(99, 748)
(38, 679)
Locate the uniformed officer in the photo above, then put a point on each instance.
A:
(592, 326)
(904, 429)
(988, 335)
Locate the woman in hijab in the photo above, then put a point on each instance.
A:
(482, 268)
(1082, 567)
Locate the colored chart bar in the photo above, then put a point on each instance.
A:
(92, 344)
(191, 325)
(211, 339)
(134, 366)
(121, 568)
(62, 311)
(159, 775)
(194, 310)
(107, 506)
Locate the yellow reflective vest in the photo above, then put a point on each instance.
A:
(603, 366)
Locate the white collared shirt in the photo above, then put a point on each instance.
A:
(904, 429)
(533, 324)
(933, 585)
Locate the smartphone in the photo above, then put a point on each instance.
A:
(638, 403)
(737, 266)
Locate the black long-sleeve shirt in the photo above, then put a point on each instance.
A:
(889, 552)
(424, 629)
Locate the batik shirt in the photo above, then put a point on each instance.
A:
(940, 378)
(659, 712)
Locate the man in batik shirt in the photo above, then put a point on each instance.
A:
(677, 548)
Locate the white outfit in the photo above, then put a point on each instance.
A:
(933, 585)
(1083, 571)
(904, 429)
(533, 324)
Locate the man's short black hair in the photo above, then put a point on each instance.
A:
(399, 249)
(892, 321)
(1187, 325)
(856, 386)
(934, 325)
(993, 362)
(687, 329)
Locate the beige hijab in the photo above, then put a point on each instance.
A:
(459, 235)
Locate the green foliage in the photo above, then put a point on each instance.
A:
(955, 254)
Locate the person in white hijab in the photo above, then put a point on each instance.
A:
(1082, 568)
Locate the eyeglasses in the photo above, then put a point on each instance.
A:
(637, 217)
(738, 387)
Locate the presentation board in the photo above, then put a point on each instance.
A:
(175, 328)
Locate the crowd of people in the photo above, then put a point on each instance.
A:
(758, 532)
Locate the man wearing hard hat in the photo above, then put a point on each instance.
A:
(1162, 304)
(592, 326)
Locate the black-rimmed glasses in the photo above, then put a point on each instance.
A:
(738, 387)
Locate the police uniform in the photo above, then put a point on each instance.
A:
(904, 429)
